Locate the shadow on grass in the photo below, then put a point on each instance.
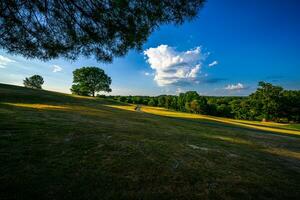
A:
(56, 146)
(232, 122)
(128, 112)
(236, 140)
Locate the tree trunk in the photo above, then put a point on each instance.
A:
(93, 93)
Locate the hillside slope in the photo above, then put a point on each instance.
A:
(58, 146)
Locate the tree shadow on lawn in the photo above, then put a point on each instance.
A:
(240, 135)
(244, 136)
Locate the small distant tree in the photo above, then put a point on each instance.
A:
(35, 81)
(89, 80)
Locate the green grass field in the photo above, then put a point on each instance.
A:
(59, 146)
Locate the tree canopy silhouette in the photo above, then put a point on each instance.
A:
(104, 29)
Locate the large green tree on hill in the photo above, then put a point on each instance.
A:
(104, 29)
(89, 80)
(35, 82)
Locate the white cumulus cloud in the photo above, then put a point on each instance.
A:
(56, 68)
(213, 63)
(4, 61)
(238, 86)
(173, 67)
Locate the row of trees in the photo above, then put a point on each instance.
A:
(268, 102)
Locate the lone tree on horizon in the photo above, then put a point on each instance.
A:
(89, 80)
(35, 82)
(103, 29)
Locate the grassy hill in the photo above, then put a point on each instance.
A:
(59, 146)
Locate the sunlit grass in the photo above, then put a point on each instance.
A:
(123, 107)
(273, 150)
(283, 152)
(265, 126)
(233, 140)
(85, 110)
(38, 106)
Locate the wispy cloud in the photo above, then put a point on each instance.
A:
(238, 86)
(4, 61)
(148, 74)
(173, 67)
(56, 68)
(213, 63)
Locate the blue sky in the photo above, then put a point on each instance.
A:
(239, 43)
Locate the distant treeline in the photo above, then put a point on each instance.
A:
(268, 102)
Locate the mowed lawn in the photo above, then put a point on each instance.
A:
(58, 146)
